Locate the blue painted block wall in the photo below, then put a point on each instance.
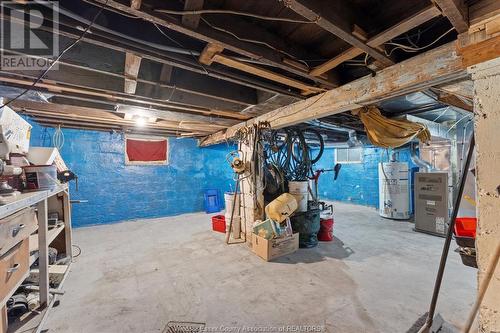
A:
(357, 182)
(118, 192)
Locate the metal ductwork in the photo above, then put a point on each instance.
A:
(353, 140)
(417, 160)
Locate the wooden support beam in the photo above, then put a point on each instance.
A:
(207, 55)
(192, 21)
(211, 53)
(437, 66)
(266, 74)
(405, 25)
(482, 12)
(480, 52)
(136, 4)
(131, 71)
(457, 12)
(166, 73)
(314, 10)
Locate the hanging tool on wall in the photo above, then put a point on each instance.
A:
(315, 179)
(235, 160)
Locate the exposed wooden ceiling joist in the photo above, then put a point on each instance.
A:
(110, 62)
(403, 26)
(457, 12)
(63, 104)
(210, 35)
(59, 112)
(192, 21)
(483, 11)
(111, 42)
(211, 54)
(329, 20)
(131, 70)
(117, 97)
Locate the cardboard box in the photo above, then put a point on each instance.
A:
(274, 248)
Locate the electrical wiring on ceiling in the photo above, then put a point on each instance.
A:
(39, 78)
(408, 48)
(119, 34)
(197, 53)
(111, 9)
(181, 45)
(253, 41)
(233, 12)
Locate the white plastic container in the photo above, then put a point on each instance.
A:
(41, 177)
(229, 200)
(300, 191)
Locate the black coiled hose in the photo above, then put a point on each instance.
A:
(288, 151)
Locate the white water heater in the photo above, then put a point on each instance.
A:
(394, 190)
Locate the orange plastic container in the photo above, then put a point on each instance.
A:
(465, 227)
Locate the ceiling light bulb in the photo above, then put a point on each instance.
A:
(140, 121)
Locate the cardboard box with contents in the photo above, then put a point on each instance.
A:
(274, 248)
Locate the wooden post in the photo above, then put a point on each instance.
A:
(3, 319)
(43, 252)
(252, 200)
(67, 224)
(486, 77)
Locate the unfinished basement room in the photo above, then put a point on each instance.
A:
(259, 166)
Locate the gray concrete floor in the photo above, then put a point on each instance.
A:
(376, 276)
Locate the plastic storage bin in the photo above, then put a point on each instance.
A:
(219, 223)
(465, 227)
(213, 203)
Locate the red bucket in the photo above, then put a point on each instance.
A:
(325, 233)
(465, 227)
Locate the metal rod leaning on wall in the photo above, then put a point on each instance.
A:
(446, 246)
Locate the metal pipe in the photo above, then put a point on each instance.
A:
(446, 246)
(351, 142)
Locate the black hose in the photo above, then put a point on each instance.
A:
(288, 151)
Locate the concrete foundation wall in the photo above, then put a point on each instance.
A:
(117, 192)
(486, 78)
(358, 182)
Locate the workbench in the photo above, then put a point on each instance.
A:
(26, 237)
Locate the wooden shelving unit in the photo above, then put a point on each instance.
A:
(51, 200)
